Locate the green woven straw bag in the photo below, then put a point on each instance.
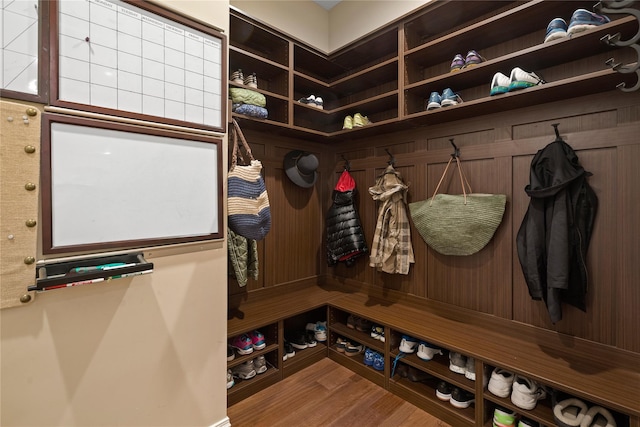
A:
(458, 224)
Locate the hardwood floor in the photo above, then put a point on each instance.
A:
(327, 394)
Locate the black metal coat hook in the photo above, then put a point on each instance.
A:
(392, 160)
(456, 150)
(347, 164)
(555, 128)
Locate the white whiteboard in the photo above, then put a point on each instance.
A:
(115, 55)
(111, 186)
(19, 46)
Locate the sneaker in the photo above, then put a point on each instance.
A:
(426, 351)
(443, 391)
(260, 365)
(569, 412)
(319, 330)
(353, 349)
(257, 340)
(359, 121)
(458, 63)
(378, 362)
(449, 98)
(289, 351)
(242, 344)
(597, 416)
(348, 124)
(526, 393)
(473, 58)
(500, 382)
(368, 357)
(457, 363)
(299, 342)
(503, 417)
(319, 103)
(499, 84)
(582, 20)
(309, 100)
(341, 344)
(461, 398)
(434, 101)
(521, 79)
(408, 344)
(237, 77)
(251, 80)
(470, 369)
(362, 325)
(556, 29)
(230, 353)
(377, 332)
(230, 381)
(526, 422)
(311, 339)
(244, 371)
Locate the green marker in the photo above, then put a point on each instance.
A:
(97, 267)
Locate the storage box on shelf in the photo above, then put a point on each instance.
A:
(246, 387)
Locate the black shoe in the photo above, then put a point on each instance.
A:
(299, 342)
(416, 375)
(311, 339)
(443, 391)
(289, 352)
(461, 398)
(230, 353)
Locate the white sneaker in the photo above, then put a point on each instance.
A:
(500, 382)
(427, 351)
(499, 84)
(319, 330)
(526, 393)
(598, 416)
(520, 79)
(457, 363)
(230, 380)
(319, 103)
(408, 344)
(260, 365)
(245, 371)
(470, 369)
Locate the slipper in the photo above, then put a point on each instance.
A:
(598, 416)
(570, 412)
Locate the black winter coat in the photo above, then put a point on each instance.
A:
(554, 235)
(345, 239)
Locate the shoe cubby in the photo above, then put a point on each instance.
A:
(294, 330)
(273, 79)
(256, 40)
(345, 324)
(246, 387)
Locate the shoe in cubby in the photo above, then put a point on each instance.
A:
(461, 398)
(526, 422)
(583, 20)
(500, 382)
(260, 364)
(230, 353)
(341, 344)
(353, 349)
(526, 393)
(289, 351)
(368, 356)
(457, 363)
(257, 340)
(319, 330)
(242, 344)
(443, 391)
(503, 417)
(245, 370)
(408, 344)
(378, 361)
(377, 332)
(427, 351)
(230, 381)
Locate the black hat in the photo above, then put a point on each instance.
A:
(301, 167)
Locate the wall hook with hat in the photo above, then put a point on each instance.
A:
(302, 168)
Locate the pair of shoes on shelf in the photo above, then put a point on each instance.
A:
(377, 332)
(357, 121)
(448, 98)
(238, 77)
(312, 101)
(303, 340)
(458, 397)
(249, 369)
(318, 329)
(581, 20)
(518, 79)
(359, 323)
(246, 343)
(459, 62)
(524, 392)
(374, 359)
(574, 412)
(410, 373)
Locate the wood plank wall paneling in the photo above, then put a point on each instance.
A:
(497, 150)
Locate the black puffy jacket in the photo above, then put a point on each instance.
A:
(554, 235)
(345, 239)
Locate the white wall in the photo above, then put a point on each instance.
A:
(143, 351)
(327, 30)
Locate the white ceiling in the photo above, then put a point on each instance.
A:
(327, 4)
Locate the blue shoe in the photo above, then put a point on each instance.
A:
(449, 98)
(369, 357)
(582, 20)
(434, 101)
(521, 79)
(378, 362)
(556, 29)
